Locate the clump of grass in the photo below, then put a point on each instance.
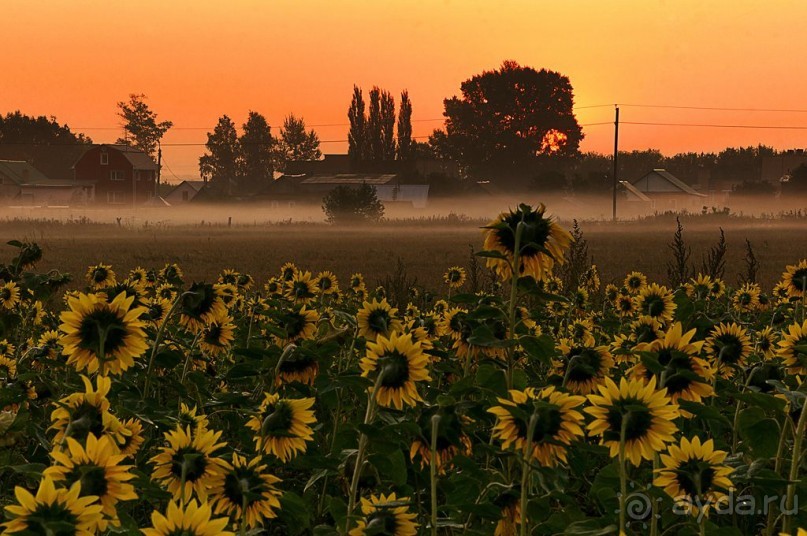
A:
(751, 265)
(678, 269)
(577, 259)
(398, 285)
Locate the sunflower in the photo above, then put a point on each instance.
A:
(189, 458)
(699, 288)
(100, 276)
(780, 292)
(795, 279)
(693, 474)
(191, 417)
(635, 282)
(582, 367)
(229, 277)
(451, 438)
(746, 298)
(326, 283)
(9, 295)
(579, 299)
(166, 292)
(228, 293)
(455, 277)
(199, 306)
(645, 329)
(543, 242)
(591, 279)
(302, 288)
(217, 336)
(100, 335)
(273, 287)
(792, 349)
(132, 437)
(611, 293)
(656, 302)
(765, 341)
(401, 363)
(718, 288)
(288, 271)
(377, 318)
(282, 426)
(645, 415)
(685, 375)
(581, 329)
(300, 365)
(297, 324)
(53, 511)
(250, 485)
(8, 368)
(172, 274)
(625, 306)
(127, 289)
(557, 423)
(357, 282)
(191, 519)
(80, 414)
(440, 307)
(97, 467)
(728, 346)
(138, 277)
(385, 514)
(156, 310)
(510, 520)
(6, 348)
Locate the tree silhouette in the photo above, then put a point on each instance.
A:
(219, 165)
(508, 117)
(141, 126)
(387, 127)
(375, 137)
(256, 155)
(297, 143)
(347, 204)
(405, 127)
(358, 126)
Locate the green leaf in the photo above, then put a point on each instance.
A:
(391, 467)
(760, 433)
(541, 348)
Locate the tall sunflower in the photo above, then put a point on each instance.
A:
(189, 457)
(455, 277)
(191, 519)
(281, 426)
(297, 324)
(99, 335)
(97, 467)
(53, 511)
(172, 274)
(377, 318)
(199, 306)
(582, 367)
(557, 423)
(402, 363)
(385, 514)
(728, 346)
(250, 485)
(132, 437)
(795, 279)
(765, 341)
(699, 288)
(451, 437)
(543, 242)
(685, 375)
(8, 368)
(327, 283)
(100, 276)
(217, 336)
(287, 271)
(635, 282)
(693, 474)
(645, 414)
(746, 298)
(793, 349)
(79, 414)
(301, 289)
(656, 302)
(9, 295)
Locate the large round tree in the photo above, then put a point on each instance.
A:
(509, 118)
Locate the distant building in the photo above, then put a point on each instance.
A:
(184, 192)
(779, 168)
(662, 191)
(23, 184)
(292, 189)
(122, 175)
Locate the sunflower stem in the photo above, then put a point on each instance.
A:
(511, 305)
(795, 463)
(288, 351)
(623, 474)
(156, 345)
(368, 418)
(525, 472)
(777, 467)
(734, 432)
(433, 471)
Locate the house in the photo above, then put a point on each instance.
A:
(122, 175)
(662, 191)
(184, 192)
(292, 189)
(23, 184)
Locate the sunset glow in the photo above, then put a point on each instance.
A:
(198, 60)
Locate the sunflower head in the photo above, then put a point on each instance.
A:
(281, 426)
(53, 511)
(635, 282)
(199, 305)
(100, 276)
(398, 363)
(250, 485)
(385, 514)
(455, 277)
(9, 295)
(450, 437)
(171, 274)
(656, 302)
(542, 243)
(377, 318)
(326, 283)
(191, 519)
(728, 346)
(795, 279)
(582, 366)
(793, 349)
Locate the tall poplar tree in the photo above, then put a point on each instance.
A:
(219, 164)
(356, 137)
(405, 127)
(387, 153)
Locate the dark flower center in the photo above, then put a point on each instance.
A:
(535, 234)
(547, 424)
(243, 483)
(102, 324)
(51, 520)
(728, 348)
(695, 477)
(278, 420)
(297, 362)
(800, 279)
(395, 367)
(99, 275)
(379, 320)
(85, 419)
(192, 460)
(584, 364)
(634, 413)
(654, 305)
(92, 478)
(381, 522)
(199, 300)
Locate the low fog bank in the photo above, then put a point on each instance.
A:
(447, 211)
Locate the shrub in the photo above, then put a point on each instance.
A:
(346, 204)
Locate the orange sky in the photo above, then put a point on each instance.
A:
(199, 59)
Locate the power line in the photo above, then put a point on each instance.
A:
(710, 125)
(783, 110)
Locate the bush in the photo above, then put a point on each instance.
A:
(346, 204)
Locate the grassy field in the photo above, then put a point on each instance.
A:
(425, 249)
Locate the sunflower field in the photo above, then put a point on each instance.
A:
(300, 404)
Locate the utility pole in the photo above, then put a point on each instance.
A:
(616, 154)
(159, 168)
